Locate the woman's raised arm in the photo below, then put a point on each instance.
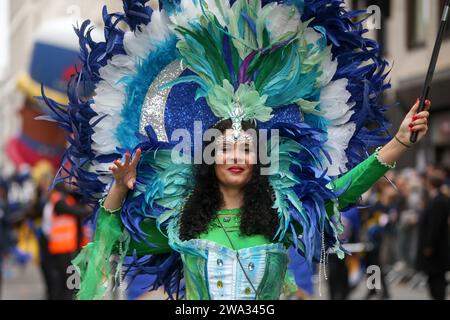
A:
(364, 175)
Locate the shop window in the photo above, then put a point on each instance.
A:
(447, 30)
(417, 22)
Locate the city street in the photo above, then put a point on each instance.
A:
(25, 284)
(264, 150)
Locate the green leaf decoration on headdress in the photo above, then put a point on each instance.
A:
(223, 100)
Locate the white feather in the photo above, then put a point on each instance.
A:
(312, 36)
(334, 103)
(329, 68)
(282, 19)
(328, 65)
(336, 109)
(116, 70)
(191, 11)
(336, 145)
(139, 43)
(220, 9)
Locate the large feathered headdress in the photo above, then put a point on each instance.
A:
(300, 66)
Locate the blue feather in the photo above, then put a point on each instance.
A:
(136, 13)
(167, 269)
(359, 61)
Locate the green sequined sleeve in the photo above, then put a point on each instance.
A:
(93, 262)
(361, 178)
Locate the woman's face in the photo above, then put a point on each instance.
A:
(234, 160)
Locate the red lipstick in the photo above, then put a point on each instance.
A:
(236, 169)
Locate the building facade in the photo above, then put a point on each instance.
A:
(408, 33)
(22, 18)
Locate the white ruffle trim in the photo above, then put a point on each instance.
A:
(389, 166)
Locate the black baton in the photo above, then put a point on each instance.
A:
(432, 67)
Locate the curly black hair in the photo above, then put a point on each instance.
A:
(257, 215)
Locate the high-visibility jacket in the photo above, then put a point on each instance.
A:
(63, 236)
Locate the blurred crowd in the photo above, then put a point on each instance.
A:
(42, 223)
(401, 229)
(401, 225)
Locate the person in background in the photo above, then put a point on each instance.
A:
(443, 173)
(433, 248)
(375, 220)
(62, 216)
(393, 201)
(42, 175)
(446, 186)
(411, 194)
(339, 282)
(5, 226)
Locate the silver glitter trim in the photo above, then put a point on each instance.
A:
(155, 101)
(237, 115)
(243, 138)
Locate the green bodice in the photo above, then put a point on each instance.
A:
(230, 220)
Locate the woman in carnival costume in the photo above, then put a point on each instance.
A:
(233, 227)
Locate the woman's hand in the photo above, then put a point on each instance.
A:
(414, 122)
(124, 180)
(125, 173)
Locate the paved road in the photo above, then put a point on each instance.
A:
(22, 283)
(397, 292)
(26, 284)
